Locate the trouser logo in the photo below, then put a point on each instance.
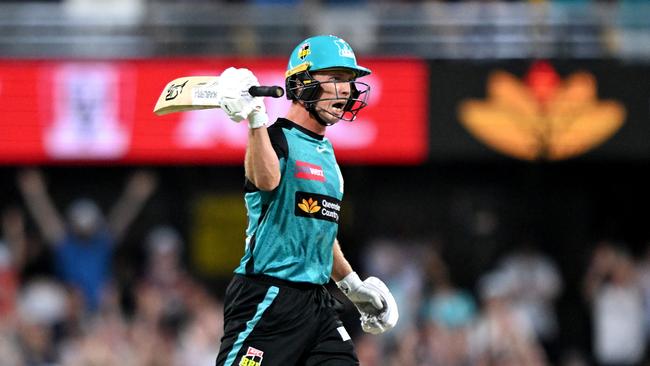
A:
(253, 357)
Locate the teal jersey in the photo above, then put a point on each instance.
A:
(291, 230)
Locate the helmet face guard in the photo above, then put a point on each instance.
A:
(302, 86)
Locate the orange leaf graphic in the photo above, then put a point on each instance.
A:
(303, 207)
(513, 122)
(309, 206)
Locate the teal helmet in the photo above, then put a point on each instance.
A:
(324, 53)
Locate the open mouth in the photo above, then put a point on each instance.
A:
(338, 105)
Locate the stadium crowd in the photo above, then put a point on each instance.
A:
(50, 315)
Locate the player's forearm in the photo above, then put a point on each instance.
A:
(261, 164)
(341, 267)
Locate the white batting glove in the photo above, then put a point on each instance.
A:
(235, 100)
(373, 300)
(387, 319)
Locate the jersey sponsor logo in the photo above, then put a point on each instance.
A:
(309, 171)
(253, 357)
(317, 206)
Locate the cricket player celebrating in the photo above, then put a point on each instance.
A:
(277, 311)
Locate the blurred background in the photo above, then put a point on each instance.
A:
(495, 182)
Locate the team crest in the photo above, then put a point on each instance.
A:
(344, 49)
(253, 357)
(304, 51)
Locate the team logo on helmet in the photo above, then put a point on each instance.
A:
(344, 49)
(304, 51)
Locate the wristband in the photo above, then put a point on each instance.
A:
(257, 119)
(349, 283)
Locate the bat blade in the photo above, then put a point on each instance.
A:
(188, 94)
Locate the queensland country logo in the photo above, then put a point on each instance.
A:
(542, 117)
(317, 206)
(309, 171)
(253, 357)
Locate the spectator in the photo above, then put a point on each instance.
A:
(83, 246)
(12, 244)
(643, 273)
(199, 341)
(450, 313)
(503, 336)
(40, 306)
(614, 292)
(165, 271)
(535, 284)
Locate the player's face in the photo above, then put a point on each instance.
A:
(335, 85)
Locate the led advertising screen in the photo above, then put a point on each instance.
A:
(100, 112)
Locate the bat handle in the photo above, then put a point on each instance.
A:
(266, 91)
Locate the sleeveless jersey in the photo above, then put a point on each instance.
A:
(291, 230)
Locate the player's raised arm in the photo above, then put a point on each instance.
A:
(261, 164)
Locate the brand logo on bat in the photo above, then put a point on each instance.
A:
(253, 357)
(174, 90)
(317, 206)
(205, 94)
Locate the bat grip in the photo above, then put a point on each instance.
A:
(266, 91)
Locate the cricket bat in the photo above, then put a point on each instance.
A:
(192, 93)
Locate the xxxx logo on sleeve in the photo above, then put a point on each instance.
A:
(317, 206)
(305, 170)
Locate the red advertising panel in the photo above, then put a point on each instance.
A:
(101, 112)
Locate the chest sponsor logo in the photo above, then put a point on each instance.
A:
(253, 357)
(305, 170)
(317, 206)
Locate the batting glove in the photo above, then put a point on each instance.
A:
(235, 100)
(373, 300)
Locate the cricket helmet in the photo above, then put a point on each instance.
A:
(318, 53)
(324, 52)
